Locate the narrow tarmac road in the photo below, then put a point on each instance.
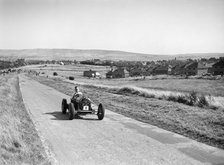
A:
(114, 140)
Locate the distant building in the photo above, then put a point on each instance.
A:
(148, 69)
(178, 69)
(218, 67)
(136, 72)
(117, 73)
(162, 69)
(204, 68)
(91, 73)
(210, 68)
(191, 69)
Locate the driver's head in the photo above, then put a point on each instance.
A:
(76, 89)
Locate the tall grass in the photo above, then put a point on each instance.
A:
(19, 141)
(192, 98)
(129, 90)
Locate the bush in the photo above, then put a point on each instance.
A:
(202, 102)
(192, 98)
(182, 99)
(71, 78)
(125, 90)
(172, 98)
(55, 74)
(130, 90)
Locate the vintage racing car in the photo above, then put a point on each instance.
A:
(81, 107)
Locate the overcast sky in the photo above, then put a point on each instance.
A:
(146, 26)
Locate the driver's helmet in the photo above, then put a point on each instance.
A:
(76, 89)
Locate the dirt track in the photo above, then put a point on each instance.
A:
(115, 140)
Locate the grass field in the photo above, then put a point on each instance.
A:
(204, 125)
(19, 141)
(167, 83)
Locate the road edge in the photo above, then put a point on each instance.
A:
(48, 151)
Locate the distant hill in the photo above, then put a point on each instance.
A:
(78, 54)
(199, 55)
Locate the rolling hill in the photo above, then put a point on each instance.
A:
(78, 54)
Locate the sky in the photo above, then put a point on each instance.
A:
(144, 26)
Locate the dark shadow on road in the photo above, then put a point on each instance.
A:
(59, 116)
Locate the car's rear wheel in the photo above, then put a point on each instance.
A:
(64, 106)
(71, 110)
(101, 112)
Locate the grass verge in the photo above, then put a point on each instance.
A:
(192, 98)
(19, 141)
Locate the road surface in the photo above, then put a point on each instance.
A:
(114, 140)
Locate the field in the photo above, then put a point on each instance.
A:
(162, 83)
(202, 124)
(19, 141)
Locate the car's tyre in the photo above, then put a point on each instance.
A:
(71, 111)
(64, 106)
(101, 112)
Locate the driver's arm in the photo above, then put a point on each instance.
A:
(79, 97)
(74, 96)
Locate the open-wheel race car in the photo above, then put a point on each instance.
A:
(81, 107)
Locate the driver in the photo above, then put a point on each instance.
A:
(77, 96)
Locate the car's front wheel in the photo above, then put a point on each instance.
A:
(101, 112)
(71, 110)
